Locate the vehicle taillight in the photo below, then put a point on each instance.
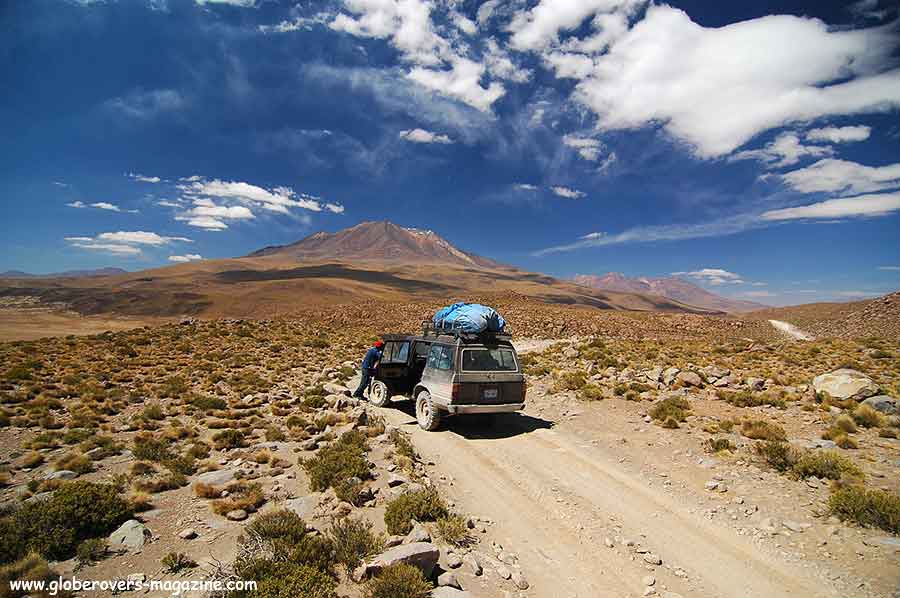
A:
(454, 391)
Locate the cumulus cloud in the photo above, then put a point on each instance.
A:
(567, 192)
(714, 89)
(863, 205)
(539, 27)
(890, 268)
(147, 105)
(77, 204)
(124, 242)
(238, 3)
(843, 177)
(305, 23)
(525, 187)
(423, 136)
(785, 150)
(839, 134)
(462, 81)
(142, 178)
(587, 147)
(100, 205)
(713, 276)
(189, 257)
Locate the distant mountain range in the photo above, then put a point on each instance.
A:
(65, 274)
(670, 287)
(383, 242)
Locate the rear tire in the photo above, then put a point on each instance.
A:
(427, 413)
(379, 394)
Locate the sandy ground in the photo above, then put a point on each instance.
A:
(30, 324)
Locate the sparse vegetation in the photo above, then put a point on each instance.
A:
(870, 508)
(177, 561)
(338, 462)
(422, 505)
(353, 540)
(399, 581)
(759, 429)
(674, 408)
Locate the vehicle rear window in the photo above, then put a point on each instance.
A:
(395, 352)
(440, 357)
(489, 360)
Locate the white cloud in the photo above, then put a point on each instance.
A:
(102, 205)
(147, 105)
(863, 205)
(334, 208)
(77, 204)
(715, 89)
(207, 222)
(784, 150)
(190, 257)
(844, 177)
(277, 199)
(123, 242)
(423, 136)
(486, 11)
(525, 187)
(539, 28)
(890, 268)
(567, 192)
(143, 179)
(713, 276)
(239, 3)
(759, 294)
(462, 81)
(305, 23)
(464, 24)
(588, 148)
(839, 134)
(500, 64)
(168, 203)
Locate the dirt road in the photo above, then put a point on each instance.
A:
(557, 500)
(791, 330)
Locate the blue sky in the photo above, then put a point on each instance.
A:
(753, 147)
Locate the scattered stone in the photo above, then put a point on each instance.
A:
(794, 526)
(668, 376)
(219, 477)
(417, 534)
(755, 383)
(609, 543)
(449, 592)
(689, 379)
(845, 383)
(519, 579)
(236, 515)
(649, 580)
(883, 403)
(423, 555)
(63, 474)
(447, 578)
(652, 559)
(187, 534)
(474, 566)
(503, 572)
(453, 560)
(131, 535)
(305, 507)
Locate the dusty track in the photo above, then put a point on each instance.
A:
(555, 499)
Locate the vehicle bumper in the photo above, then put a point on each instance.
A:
(474, 409)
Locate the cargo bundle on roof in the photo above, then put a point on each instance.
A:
(470, 318)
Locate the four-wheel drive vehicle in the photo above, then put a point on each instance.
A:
(450, 373)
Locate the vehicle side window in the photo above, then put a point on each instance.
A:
(422, 350)
(395, 352)
(440, 357)
(401, 352)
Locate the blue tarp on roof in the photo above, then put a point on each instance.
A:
(468, 317)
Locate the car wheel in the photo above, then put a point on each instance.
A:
(427, 414)
(380, 394)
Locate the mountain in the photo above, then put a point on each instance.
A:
(878, 317)
(66, 274)
(372, 261)
(378, 242)
(670, 287)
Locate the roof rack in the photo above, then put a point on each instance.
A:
(429, 329)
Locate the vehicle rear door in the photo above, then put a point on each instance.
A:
(393, 369)
(489, 375)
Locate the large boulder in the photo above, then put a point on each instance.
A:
(845, 384)
(423, 555)
(219, 477)
(131, 535)
(885, 404)
(689, 379)
(449, 592)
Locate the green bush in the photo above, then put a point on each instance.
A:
(289, 580)
(779, 455)
(282, 536)
(205, 403)
(453, 529)
(870, 508)
(590, 392)
(868, 417)
(759, 429)
(399, 581)
(341, 460)
(177, 561)
(30, 567)
(745, 398)
(570, 381)
(54, 527)
(148, 447)
(676, 408)
(422, 505)
(825, 464)
(229, 439)
(353, 541)
(90, 551)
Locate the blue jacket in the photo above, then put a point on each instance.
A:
(373, 355)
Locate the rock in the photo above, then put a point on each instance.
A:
(135, 578)
(795, 526)
(305, 506)
(449, 592)
(336, 389)
(417, 534)
(187, 534)
(392, 541)
(845, 384)
(474, 566)
(236, 515)
(819, 443)
(714, 371)
(395, 480)
(503, 572)
(755, 383)
(132, 535)
(519, 579)
(447, 579)
(689, 379)
(649, 580)
(40, 496)
(219, 477)
(652, 559)
(711, 485)
(453, 560)
(669, 374)
(62, 474)
(883, 403)
(423, 555)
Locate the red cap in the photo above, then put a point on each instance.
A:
(379, 343)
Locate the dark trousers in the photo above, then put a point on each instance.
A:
(363, 383)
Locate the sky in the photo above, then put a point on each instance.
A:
(751, 147)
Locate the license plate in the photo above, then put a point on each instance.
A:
(490, 393)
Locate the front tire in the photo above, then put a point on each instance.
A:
(379, 394)
(427, 413)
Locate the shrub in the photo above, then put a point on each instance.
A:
(453, 529)
(30, 567)
(90, 551)
(759, 429)
(868, 417)
(845, 423)
(845, 442)
(54, 527)
(337, 462)
(228, 439)
(32, 460)
(590, 392)
(779, 455)
(206, 403)
(177, 561)
(570, 381)
(353, 541)
(289, 580)
(152, 412)
(870, 508)
(399, 581)
(422, 505)
(745, 398)
(714, 445)
(148, 447)
(825, 464)
(676, 408)
(74, 462)
(241, 495)
(671, 423)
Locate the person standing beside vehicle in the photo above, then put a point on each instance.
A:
(369, 363)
